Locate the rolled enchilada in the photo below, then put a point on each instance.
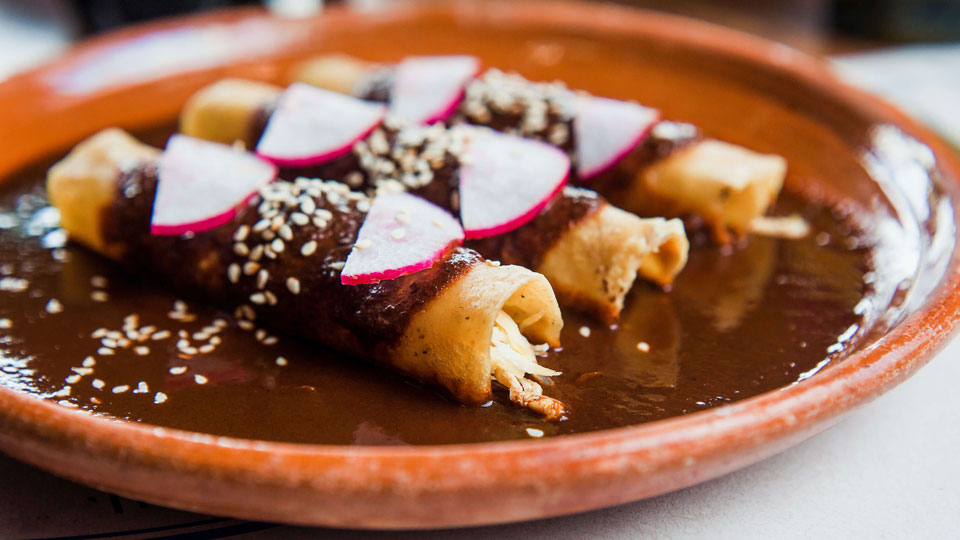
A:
(590, 251)
(457, 324)
(674, 171)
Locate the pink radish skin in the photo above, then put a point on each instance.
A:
(380, 252)
(428, 89)
(505, 181)
(311, 125)
(201, 185)
(606, 130)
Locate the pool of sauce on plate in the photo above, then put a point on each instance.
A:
(737, 323)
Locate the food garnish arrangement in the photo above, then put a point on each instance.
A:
(431, 251)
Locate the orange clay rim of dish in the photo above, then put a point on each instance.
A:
(787, 415)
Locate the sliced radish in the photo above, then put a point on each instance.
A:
(401, 234)
(506, 180)
(607, 130)
(427, 89)
(201, 184)
(311, 125)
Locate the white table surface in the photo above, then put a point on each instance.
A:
(890, 470)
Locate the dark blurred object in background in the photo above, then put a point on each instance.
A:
(98, 15)
(847, 24)
(898, 20)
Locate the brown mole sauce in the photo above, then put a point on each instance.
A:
(737, 323)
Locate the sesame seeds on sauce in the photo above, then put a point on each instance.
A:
(532, 109)
(407, 157)
(286, 211)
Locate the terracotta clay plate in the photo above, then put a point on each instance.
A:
(262, 456)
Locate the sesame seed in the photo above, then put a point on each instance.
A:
(98, 384)
(200, 379)
(72, 379)
(403, 217)
(241, 249)
(178, 370)
(285, 232)
(142, 388)
(493, 263)
(6, 323)
(233, 272)
(159, 398)
(99, 333)
(308, 206)
(89, 362)
(99, 296)
(585, 331)
(260, 334)
(271, 298)
(270, 340)
(54, 306)
(120, 389)
(245, 325)
(438, 224)
(281, 361)
(107, 342)
(258, 298)
(95, 401)
(220, 323)
(643, 346)
(299, 218)
(189, 350)
(82, 371)
(261, 225)
(363, 244)
(67, 404)
(241, 234)
(99, 282)
(104, 351)
(250, 268)
(398, 233)
(179, 305)
(262, 277)
(277, 245)
(535, 433)
(337, 265)
(293, 285)
(308, 248)
(163, 334)
(208, 348)
(141, 350)
(256, 253)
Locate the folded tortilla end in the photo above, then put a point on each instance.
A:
(337, 72)
(84, 183)
(594, 264)
(725, 184)
(469, 309)
(224, 111)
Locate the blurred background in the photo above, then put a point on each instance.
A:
(905, 50)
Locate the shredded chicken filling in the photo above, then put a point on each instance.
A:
(513, 358)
